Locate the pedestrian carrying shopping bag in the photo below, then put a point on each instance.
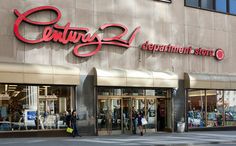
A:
(144, 121)
(69, 130)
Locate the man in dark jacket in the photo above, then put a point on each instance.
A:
(68, 118)
(74, 125)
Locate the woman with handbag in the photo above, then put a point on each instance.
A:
(140, 125)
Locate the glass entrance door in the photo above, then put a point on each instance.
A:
(151, 116)
(164, 115)
(131, 107)
(115, 115)
(102, 112)
(147, 107)
(138, 106)
(109, 116)
(126, 118)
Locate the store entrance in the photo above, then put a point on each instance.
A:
(134, 105)
(109, 116)
(161, 114)
(115, 114)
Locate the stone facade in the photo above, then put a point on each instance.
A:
(161, 23)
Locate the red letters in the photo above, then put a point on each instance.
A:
(165, 48)
(204, 52)
(183, 50)
(67, 34)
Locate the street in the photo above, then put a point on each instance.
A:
(216, 138)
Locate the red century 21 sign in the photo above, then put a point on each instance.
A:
(218, 53)
(67, 34)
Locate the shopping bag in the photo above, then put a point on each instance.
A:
(144, 121)
(69, 130)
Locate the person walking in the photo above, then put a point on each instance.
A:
(140, 125)
(134, 116)
(158, 118)
(68, 119)
(74, 125)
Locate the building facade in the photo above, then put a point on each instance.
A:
(170, 60)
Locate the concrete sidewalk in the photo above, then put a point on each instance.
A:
(158, 139)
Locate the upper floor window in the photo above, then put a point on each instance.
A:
(193, 3)
(207, 4)
(223, 6)
(232, 6)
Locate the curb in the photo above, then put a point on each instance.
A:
(197, 144)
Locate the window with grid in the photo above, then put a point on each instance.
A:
(222, 6)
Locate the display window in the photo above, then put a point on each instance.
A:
(214, 108)
(211, 108)
(230, 108)
(32, 107)
(196, 108)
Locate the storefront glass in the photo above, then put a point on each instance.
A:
(232, 8)
(221, 5)
(196, 108)
(220, 108)
(134, 91)
(151, 113)
(31, 107)
(193, 3)
(109, 114)
(207, 4)
(214, 108)
(230, 108)
(116, 108)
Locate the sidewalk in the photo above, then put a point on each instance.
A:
(157, 139)
(173, 139)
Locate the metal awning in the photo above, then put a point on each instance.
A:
(113, 77)
(38, 74)
(135, 78)
(209, 81)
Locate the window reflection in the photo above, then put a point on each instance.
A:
(196, 108)
(27, 107)
(108, 91)
(53, 102)
(104, 91)
(193, 3)
(214, 108)
(134, 91)
(232, 6)
(230, 108)
(19, 107)
(151, 113)
(221, 5)
(220, 108)
(207, 4)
